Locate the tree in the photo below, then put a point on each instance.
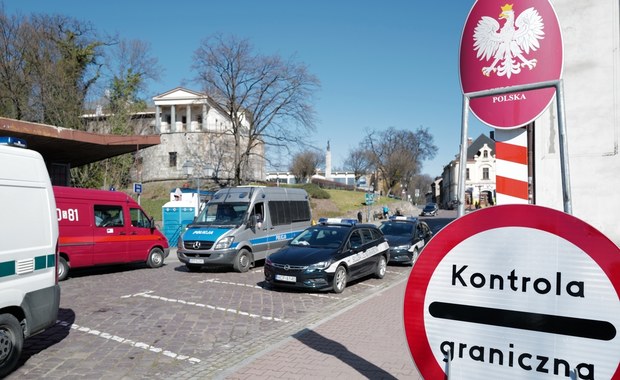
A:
(129, 68)
(304, 165)
(267, 98)
(397, 155)
(359, 162)
(47, 66)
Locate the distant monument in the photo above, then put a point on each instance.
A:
(328, 163)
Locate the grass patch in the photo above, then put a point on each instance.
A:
(324, 202)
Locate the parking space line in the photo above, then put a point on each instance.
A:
(118, 339)
(216, 281)
(147, 294)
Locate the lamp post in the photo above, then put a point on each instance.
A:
(188, 169)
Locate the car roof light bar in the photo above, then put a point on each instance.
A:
(12, 141)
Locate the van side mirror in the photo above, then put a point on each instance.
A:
(152, 223)
(252, 221)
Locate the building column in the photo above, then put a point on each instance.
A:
(188, 116)
(205, 111)
(173, 119)
(158, 119)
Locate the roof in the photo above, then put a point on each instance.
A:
(477, 144)
(71, 146)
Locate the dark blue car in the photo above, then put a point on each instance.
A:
(406, 237)
(328, 255)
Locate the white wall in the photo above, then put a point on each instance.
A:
(591, 31)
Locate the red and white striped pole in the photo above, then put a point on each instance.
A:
(511, 172)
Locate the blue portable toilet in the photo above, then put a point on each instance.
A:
(176, 215)
(181, 211)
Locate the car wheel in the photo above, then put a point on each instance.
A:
(242, 261)
(156, 258)
(381, 267)
(11, 343)
(63, 268)
(340, 279)
(414, 255)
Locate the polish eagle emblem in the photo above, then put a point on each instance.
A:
(510, 44)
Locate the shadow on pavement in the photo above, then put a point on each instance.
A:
(327, 346)
(42, 341)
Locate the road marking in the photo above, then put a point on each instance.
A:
(147, 294)
(216, 281)
(130, 342)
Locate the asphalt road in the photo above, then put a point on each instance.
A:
(133, 322)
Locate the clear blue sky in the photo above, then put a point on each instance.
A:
(381, 64)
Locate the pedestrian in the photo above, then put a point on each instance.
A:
(386, 211)
(359, 216)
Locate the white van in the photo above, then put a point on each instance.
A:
(29, 290)
(243, 224)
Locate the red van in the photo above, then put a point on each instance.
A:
(99, 227)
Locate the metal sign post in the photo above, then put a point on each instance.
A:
(563, 141)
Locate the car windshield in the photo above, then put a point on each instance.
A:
(397, 229)
(222, 214)
(430, 206)
(320, 237)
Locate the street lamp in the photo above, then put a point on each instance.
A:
(207, 171)
(188, 169)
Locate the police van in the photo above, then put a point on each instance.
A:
(29, 290)
(241, 225)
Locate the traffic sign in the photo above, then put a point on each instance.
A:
(515, 291)
(137, 188)
(370, 198)
(506, 45)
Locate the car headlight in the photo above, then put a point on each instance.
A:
(267, 261)
(224, 242)
(405, 247)
(318, 266)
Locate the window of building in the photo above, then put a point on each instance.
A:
(172, 159)
(485, 154)
(485, 173)
(467, 174)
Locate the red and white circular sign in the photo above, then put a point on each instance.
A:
(515, 291)
(508, 44)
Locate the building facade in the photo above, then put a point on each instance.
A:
(479, 176)
(197, 142)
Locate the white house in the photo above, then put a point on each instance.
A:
(195, 131)
(479, 177)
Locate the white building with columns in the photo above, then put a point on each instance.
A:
(194, 130)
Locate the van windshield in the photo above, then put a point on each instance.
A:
(223, 214)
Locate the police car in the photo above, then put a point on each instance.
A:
(406, 236)
(328, 255)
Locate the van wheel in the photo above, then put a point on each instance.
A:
(156, 258)
(340, 279)
(243, 261)
(63, 268)
(11, 343)
(381, 267)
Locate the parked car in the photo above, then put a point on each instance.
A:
(406, 236)
(328, 255)
(430, 209)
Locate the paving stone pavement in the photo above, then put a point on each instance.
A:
(366, 340)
